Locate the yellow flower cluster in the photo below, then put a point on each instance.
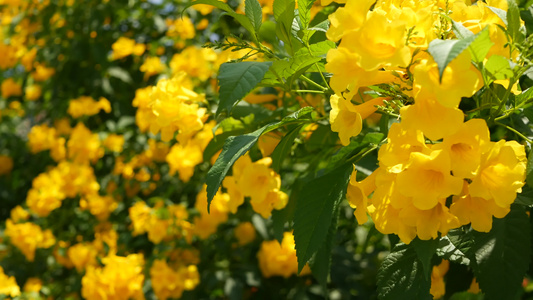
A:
(27, 237)
(8, 285)
(277, 259)
(170, 282)
(432, 155)
(161, 222)
(121, 278)
(10, 88)
(87, 106)
(257, 181)
(41, 138)
(124, 47)
(207, 223)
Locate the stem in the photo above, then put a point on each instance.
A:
(362, 154)
(514, 130)
(305, 78)
(309, 91)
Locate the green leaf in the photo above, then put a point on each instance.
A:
(448, 250)
(284, 148)
(242, 19)
(502, 255)
(319, 49)
(481, 46)
(237, 146)
(425, 251)
(284, 15)
(236, 80)
(234, 147)
(529, 169)
(499, 67)
(466, 296)
(309, 32)
(525, 96)
(502, 14)
(402, 276)
(321, 263)
(525, 198)
(460, 31)
(254, 12)
(513, 21)
(315, 209)
(304, 11)
(444, 51)
(120, 74)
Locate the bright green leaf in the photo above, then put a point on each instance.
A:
(481, 46)
(444, 51)
(499, 68)
(460, 31)
(236, 80)
(513, 21)
(315, 209)
(502, 14)
(401, 276)
(254, 12)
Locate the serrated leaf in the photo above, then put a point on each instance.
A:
(401, 276)
(319, 49)
(284, 148)
(237, 146)
(254, 12)
(321, 264)
(304, 11)
(314, 211)
(242, 19)
(499, 67)
(425, 251)
(309, 32)
(524, 96)
(236, 80)
(502, 255)
(444, 51)
(284, 15)
(451, 252)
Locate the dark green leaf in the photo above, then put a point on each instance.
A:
(284, 148)
(525, 96)
(321, 263)
(234, 147)
(401, 276)
(284, 15)
(448, 250)
(467, 296)
(529, 169)
(314, 211)
(526, 196)
(502, 255)
(425, 251)
(236, 80)
(254, 12)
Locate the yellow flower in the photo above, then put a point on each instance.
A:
(10, 88)
(170, 282)
(82, 255)
(8, 285)
(429, 222)
(438, 287)
(33, 284)
(207, 223)
(33, 92)
(258, 179)
(121, 278)
(245, 233)
(41, 72)
(427, 179)
(348, 18)
(19, 214)
(46, 193)
(6, 164)
(460, 79)
(99, 206)
(41, 137)
(235, 195)
(114, 142)
(140, 215)
(124, 47)
(501, 173)
(152, 66)
(182, 28)
(432, 118)
(476, 210)
(466, 146)
(175, 107)
(183, 159)
(395, 154)
(195, 61)
(277, 259)
(84, 146)
(347, 118)
(27, 237)
(274, 199)
(87, 106)
(357, 195)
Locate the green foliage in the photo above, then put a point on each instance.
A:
(402, 275)
(237, 80)
(254, 12)
(315, 208)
